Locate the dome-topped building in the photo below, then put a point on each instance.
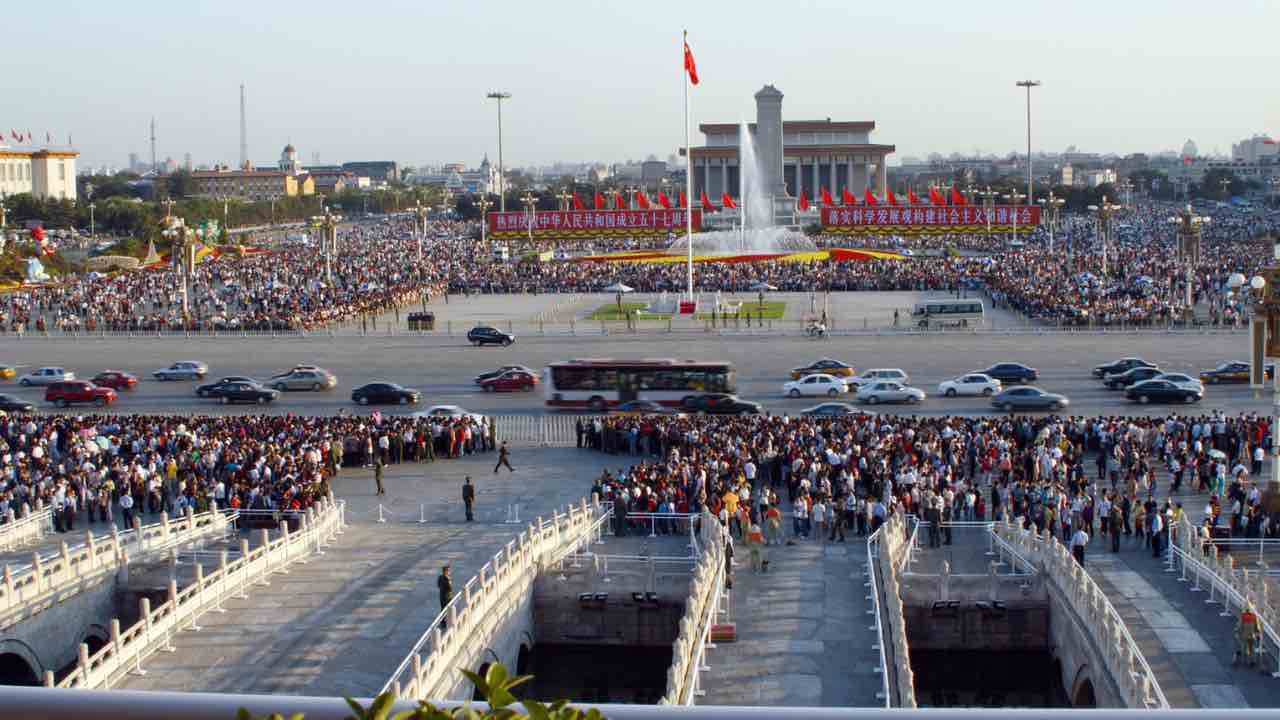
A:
(1189, 150)
(289, 162)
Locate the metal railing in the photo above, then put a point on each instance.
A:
(873, 551)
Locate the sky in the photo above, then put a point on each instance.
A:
(602, 81)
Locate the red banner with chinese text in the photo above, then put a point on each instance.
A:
(549, 225)
(929, 220)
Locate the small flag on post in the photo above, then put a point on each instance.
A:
(848, 197)
(642, 200)
(599, 201)
(689, 66)
(893, 199)
(936, 198)
(577, 203)
(957, 199)
(869, 198)
(826, 199)
(706, 202)
(619, 202)
(912, 198)
(684, 199)
(728, 202)
(803, 204)
(663, 200)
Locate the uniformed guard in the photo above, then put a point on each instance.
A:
(444, 583)
(1247, 636)
(469, 498)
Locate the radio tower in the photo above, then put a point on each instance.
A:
(155, 166)
(244, 136)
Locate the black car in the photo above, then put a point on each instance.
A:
(485, 335)
(1012, 372)
(1136, 375)
(9, 403)
(1120, 366)
(500, 371)
(216, 389)
(247, 392)
(384, 393)
(1161, 391)
(835, 409)
(720, 404)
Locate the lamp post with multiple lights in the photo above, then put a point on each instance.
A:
(502, 171)
(1189, 226)
(1028, 84)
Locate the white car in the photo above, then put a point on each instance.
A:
(970, 384)
(874, 375)
(183, 370)
(46, 376)
(889, 392)
(452, 411)
(1182, 380)
(815, 385)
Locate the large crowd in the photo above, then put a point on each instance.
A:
(377, 270)
(121, 467)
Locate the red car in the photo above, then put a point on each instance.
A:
(71, 392)
(115, 379)
(510, 381)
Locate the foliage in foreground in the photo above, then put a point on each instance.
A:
(495, 687)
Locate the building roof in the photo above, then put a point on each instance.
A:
(289, 148)
(215, 174)
(794, 126)
(850, 149)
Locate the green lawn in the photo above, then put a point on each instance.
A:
(769, 310)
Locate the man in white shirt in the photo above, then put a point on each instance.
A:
(1078, 542)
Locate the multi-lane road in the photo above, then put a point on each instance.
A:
(443, 367)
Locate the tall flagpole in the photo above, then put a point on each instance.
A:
(688, 169)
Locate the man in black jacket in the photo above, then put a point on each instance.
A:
(469, 498)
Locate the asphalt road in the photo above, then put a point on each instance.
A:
(443, 368)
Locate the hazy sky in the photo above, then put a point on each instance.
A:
(406, 80)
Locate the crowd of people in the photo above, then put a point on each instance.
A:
(121, 467)
(1136, 278)
(1123, 477)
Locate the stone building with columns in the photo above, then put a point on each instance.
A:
(796, 156)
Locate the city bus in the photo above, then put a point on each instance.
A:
(948, 313)
(602, 383)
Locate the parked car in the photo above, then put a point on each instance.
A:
(815, 385)
(1125, 379)
(1232, 372)
(485, 335)
(9, 403)
(495, 373)
(643, 407)
(1028, 398)
(1162, 391)
(314, 379)
(247, 392)
(889, 392)
(970, 384)
(510, 381)
(76, 392)
(825, 366)
(720, 404)
(1120, 366)
(385, 393)
(183, 370)
(834, 409)
(46, 376)
(875, 375)
(1011, 372)
(115, 379)
(1182, 380)
(450, 411)
(8, 372)
(215, 389)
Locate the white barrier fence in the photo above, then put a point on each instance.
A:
(155, 629)
(1076, 588)
(889, 551)
(463, 626)
(30, 528)
(30, 588)
(555, 430)
(702, 610)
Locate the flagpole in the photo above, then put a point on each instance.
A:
(688, 171)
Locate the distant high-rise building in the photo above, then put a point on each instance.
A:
(1255, 149)
(133, 162)
(186, 162)
(1189, 150)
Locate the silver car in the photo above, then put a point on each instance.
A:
(305, 380)
(183, 370)
(889, 392)
(1028, 398)
(46, 376)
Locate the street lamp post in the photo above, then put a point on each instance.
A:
(484, 204)
(613, 197)
(420, 225)
(328, 225)
(1015, 198)
(92, 207)
(565, 197)
(1189, 228)
(1126, 187)
(1052, 205)
(502, 172)
(1104, 211)
(531, 206)
(989, 202)
(1028, 84)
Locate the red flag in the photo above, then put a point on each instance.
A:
(935, 197)
(958, 199)
(663, 200)
(642, 200)
(913, 198)
(848, 197)
(1268, 141)
(689, 65)
(706, 202)
(684, 200)
(728, 202)
(620, 202)
(826, 198)
(893, 200)
(599, 201)
(577, 203)
(871, 199)
(803, 203)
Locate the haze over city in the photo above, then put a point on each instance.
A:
(601, 81)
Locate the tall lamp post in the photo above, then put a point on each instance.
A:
(1052, 205)
(1126, 187)
(420, 225)
(1104, 211)
(502, 171)
(328, 225)
(1028, 84)
(1189, 227)
(613, 198)
(92, 207)
(1266, 312)
(179, 252)
(989, 202)
(484, 204)
(531, 207)
(565, 197)
(1015, 199)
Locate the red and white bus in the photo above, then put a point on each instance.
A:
(602, 383)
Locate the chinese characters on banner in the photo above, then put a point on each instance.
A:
(929, 219)
(591, 223)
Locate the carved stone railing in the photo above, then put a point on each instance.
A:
(702, 607)
(888, 551)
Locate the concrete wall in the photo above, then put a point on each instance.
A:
(558, 617)
(51, 639)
